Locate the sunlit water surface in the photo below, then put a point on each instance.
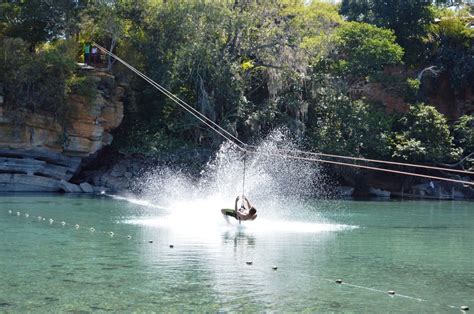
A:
(421, 250)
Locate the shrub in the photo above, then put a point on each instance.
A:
(37, 81)
(422, 134)
(354, 128)
(464, 133)
(364, 49)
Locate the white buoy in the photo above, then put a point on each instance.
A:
(44, 219)
(39, 217)
(111, 233)
(9, 211)
(102, 192)
(63, 223)
(18, 213)
(92, 229)
(77, 226)
(51, 221)
(129, 237)
(27, 215)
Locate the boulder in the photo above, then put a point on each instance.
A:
(116, 183)
(100, 189)
(27, 183)
(96, 177)
(457, 195)
(69, 187)
(431, 190)
(379, 192)
(345, 190)
(118, 170)
(86, 187)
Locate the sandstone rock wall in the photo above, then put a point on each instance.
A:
(436, 89)
(41, 153)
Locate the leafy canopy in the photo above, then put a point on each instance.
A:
(407, 19)
(464, 133)
(38, 21)
(363, 49)
(422, 134)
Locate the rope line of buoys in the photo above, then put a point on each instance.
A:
(393, 293)
(92, 230)
(52, 221)
(389, 292)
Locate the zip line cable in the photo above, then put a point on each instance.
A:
(177, 100)
(376, 161)
(243, 146)
(174, 97)
(184, 105)
(365, 167)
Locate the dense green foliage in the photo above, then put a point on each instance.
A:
(38, 81)
(364, 49)
(37, 62)
(38, 21)
(248, 78)
(251, 68)
(453, 47)
(422, 134)
(464, 133)
(341, 126)
(408, 19)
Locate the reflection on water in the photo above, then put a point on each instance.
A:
(238, 238)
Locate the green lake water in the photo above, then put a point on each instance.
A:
(422, 250)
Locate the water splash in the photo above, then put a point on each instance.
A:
(270, 181)
(279, 188)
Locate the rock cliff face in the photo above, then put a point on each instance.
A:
(41, 153)
(437, 91)
(453, 104)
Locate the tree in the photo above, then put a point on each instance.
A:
(105, 23)
(408, 20)
(37, 82)
(363, 49)
(241, 64)
(422, 135)
(464, 133)
(453, 47)
(38, 21)
(352, 128)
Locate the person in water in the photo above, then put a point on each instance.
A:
(246, 211)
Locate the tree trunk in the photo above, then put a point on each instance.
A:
(110, 60)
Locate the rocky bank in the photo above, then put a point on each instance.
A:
(41, 153)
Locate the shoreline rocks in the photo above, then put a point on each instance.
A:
(38, 153)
